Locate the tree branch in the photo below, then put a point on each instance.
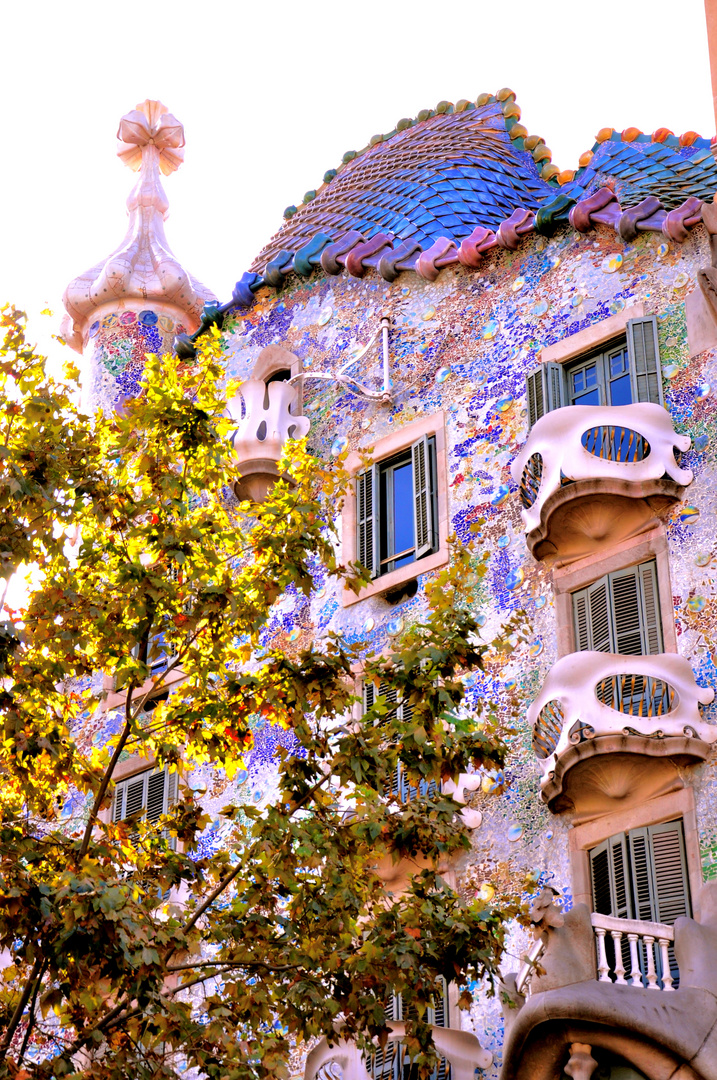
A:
(20, 1007)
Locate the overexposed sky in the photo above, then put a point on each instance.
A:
(271, 94)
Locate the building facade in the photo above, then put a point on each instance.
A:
(529, 356)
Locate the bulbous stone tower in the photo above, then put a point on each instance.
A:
(137, 300)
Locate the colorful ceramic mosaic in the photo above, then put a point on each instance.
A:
(530, 257)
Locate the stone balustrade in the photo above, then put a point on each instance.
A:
(265, 422)
(588, 452)
(460, 1050)
(644, 945)
(588, 696)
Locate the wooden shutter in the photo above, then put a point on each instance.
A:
(370, 696)
(620, 613)
(626, 612)
(545, 387)
(650, 603)
(669, 881)
(535, 395)
(422, 496)
(609, 875)
(643, 350)
(367, 526)
(592, 617)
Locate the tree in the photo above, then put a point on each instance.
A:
(127, 954)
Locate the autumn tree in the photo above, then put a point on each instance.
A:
(124, 953)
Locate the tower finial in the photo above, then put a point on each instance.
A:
(142, 271)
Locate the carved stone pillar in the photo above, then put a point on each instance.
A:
(582, 1064)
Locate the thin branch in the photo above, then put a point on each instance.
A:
(31, 1016)
(99, 797)
(20, 1007)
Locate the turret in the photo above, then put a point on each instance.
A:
(140, 298)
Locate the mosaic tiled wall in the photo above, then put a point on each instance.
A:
(464, 344)
(119, 341)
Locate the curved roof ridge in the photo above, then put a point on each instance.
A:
(509, 107)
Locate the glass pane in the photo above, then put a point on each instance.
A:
(403, 534)
(591, 375)
(590, 397)
(578, 381)
(620, 391)
(618, 362)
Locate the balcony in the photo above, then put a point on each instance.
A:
(262, 412)
(595, 703)
(460, 1055)
(615, 994)
(590, 476)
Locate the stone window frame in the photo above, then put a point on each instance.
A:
(676, 804)
(593, 338)
(634, 550)
(387, 447)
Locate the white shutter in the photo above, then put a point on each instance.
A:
(592, 617)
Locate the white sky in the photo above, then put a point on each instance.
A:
(272, 93)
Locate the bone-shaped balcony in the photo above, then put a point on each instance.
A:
(264, 424)
(590, 476)
(460, 1054)
(595, 703)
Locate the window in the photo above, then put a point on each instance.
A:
(403, 712)
(642, 874)
(148, 794)
(396, 512)
(392, 1062)
(619, 613)
(626, 372)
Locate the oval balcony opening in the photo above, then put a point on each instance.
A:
(611, 443)
(590, 476)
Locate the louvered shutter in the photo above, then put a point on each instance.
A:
(545, 387)
(535, 395)
(626, 612)
(370, 696)
(659, 872)
(156, 794)
(592, 617)
(609, 875)
(422, 497)
(644, 352)
(367, 525)
(651, 623)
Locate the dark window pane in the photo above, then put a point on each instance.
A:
(618, 363)
(591, 375)
(578, 381)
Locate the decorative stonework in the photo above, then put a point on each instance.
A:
(593, 696)
(142, 271)
(264, 424)
(627, 448)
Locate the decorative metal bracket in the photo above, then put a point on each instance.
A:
(384, 396)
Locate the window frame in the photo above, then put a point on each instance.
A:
(383, 450)
(664, 808)
(547, 385)
(584, 572)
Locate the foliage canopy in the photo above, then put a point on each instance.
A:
(125, 953)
